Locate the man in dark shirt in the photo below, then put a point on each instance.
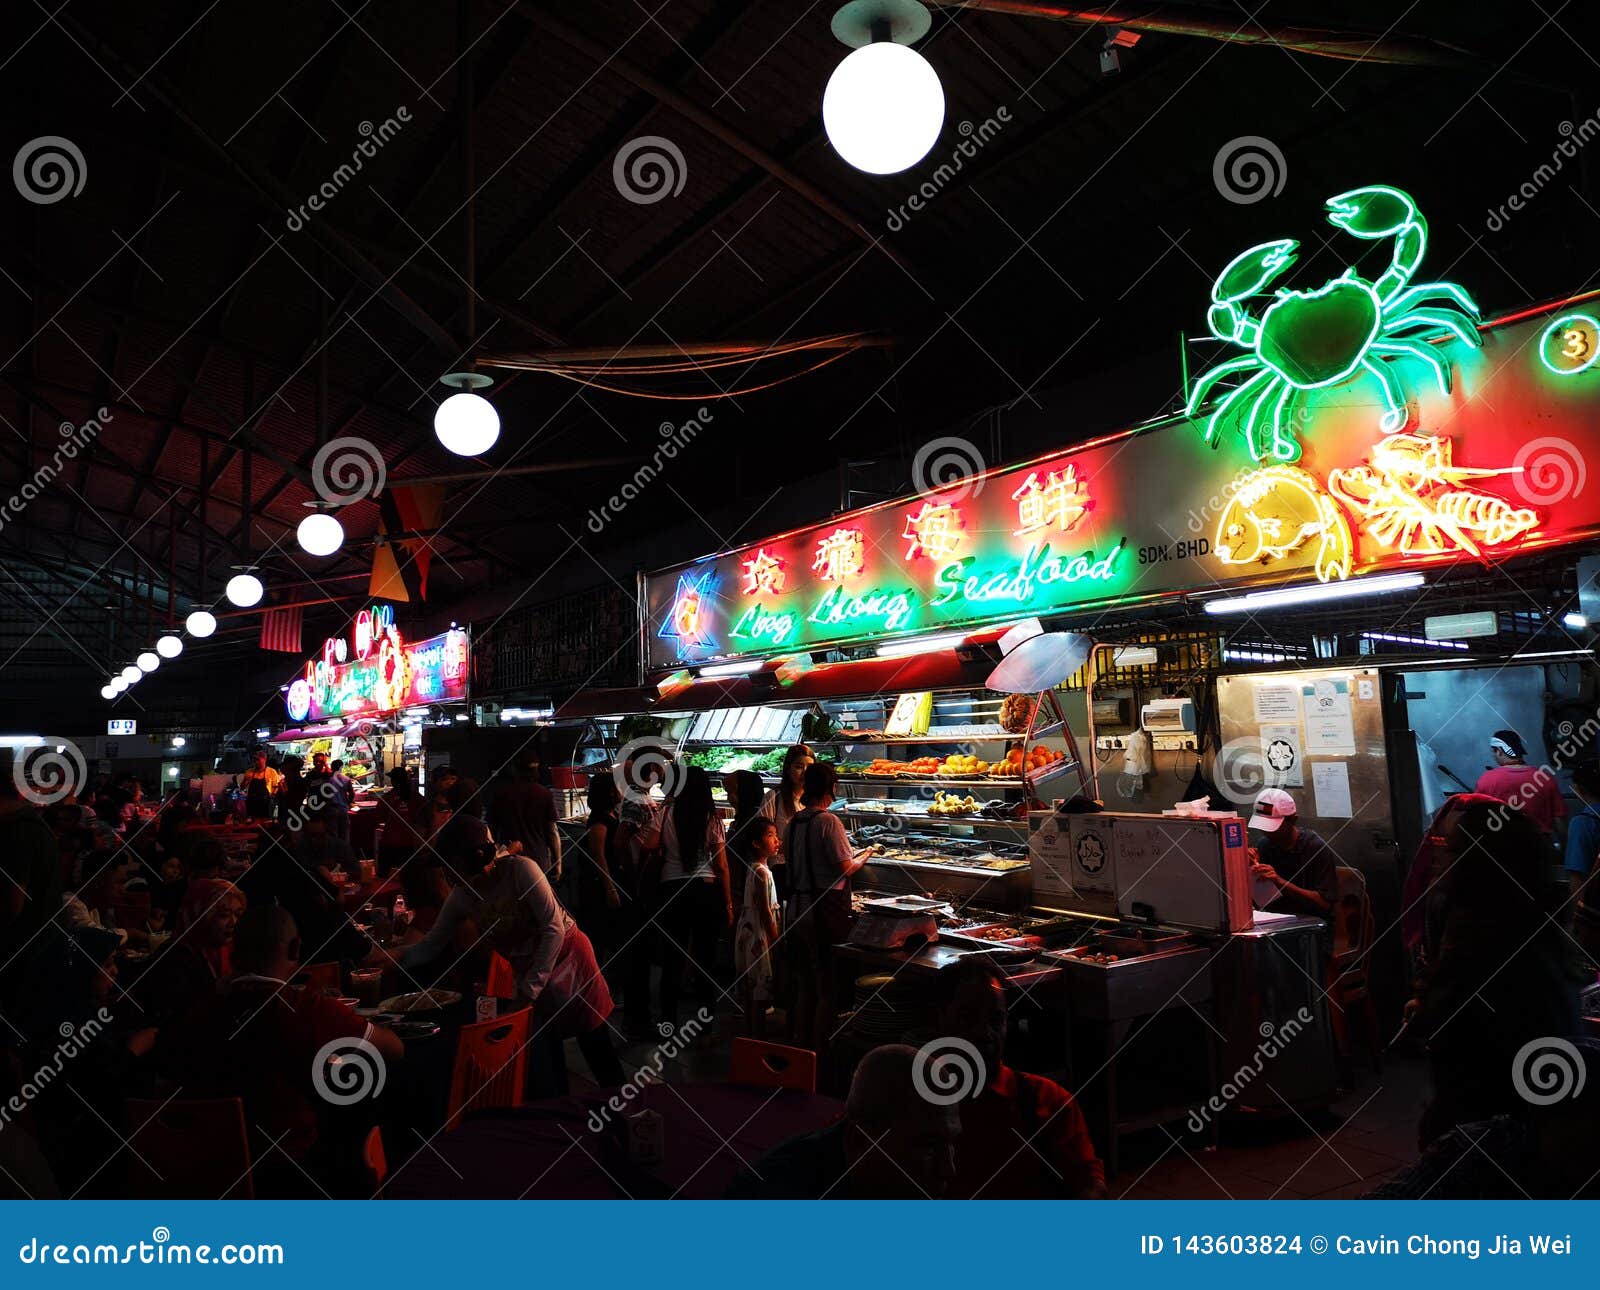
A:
(523, 811)
(30, 879)
(1022, 1136)
(1294, 860)
(891, 1145)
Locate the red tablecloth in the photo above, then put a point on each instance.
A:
(550, 1151)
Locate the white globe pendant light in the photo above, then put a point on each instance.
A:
(108, 692)
(148, 661)
(320, 534)
(244, 590)
(131, 675)
(883, 107)
(467, 423)
(170, 645)
(119, 683)
(200, 624)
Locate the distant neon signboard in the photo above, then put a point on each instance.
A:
(1384, 473)
(380, 671)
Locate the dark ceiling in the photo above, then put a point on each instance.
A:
(228, 329)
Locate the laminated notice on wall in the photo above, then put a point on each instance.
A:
(1330, 728)
(1330, 789)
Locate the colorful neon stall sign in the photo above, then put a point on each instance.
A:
(386, 673)
(1373, 426)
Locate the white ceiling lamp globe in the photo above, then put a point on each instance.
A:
(467, 424)
(320, 534)
(132, 675)
(119, 683)
(244, 590)
(170, 645)
(200, 624)
(148, 661)
(883, 108)
(108, 691)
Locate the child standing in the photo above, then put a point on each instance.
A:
(757, 929)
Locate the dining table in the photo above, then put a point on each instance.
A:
(575, 1147)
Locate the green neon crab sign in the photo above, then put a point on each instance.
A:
(1307, 340)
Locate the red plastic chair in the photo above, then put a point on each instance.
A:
(373, 1160)
(491, 1063)
(195, 1150)
(502, 981)
(767, 1065)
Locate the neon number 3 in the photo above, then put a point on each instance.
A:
(1576, 343)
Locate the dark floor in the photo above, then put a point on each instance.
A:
(1368, 1134)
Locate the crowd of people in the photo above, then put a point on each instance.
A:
(126, 931)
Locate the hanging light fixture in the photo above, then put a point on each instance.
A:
(244, 589)
(466, 423)
(883, 107)
(131, 675)
(119, 683)
(170, 645)
(320, 533)
(108, 692)
(148, 661)
(200, 624)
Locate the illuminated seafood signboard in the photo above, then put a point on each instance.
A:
(382, 672)
(1421, 436)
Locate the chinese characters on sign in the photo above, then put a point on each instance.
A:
(387, 672)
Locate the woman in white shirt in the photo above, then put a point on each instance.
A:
(695, 901)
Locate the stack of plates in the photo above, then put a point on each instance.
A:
(887, 1008)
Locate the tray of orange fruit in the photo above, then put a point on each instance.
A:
(1035, 761)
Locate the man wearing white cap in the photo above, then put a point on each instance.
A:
(1294, 860)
